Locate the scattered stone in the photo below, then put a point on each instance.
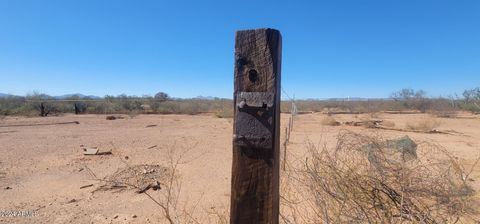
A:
(7, 188)
(112, 117)
(134, 216)
(90, 151)
(154, 186)
(116, 216)
(80, 169)
(126, 157)
(72, 201)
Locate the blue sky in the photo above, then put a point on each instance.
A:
(335, 48)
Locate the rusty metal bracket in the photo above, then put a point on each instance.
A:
(254, 120)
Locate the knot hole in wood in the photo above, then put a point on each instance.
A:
(253, 75)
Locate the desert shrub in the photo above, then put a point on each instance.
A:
(443, 108)
(471, 107)
(330, 121)
(412, 99)
(133, 113)
(343, 185)
(425, 125)
(224, 113)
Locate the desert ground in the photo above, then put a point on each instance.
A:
(43, 168)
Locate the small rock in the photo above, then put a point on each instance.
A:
(72, 201)
(7, 188)
(80, 169)
(134, 216)
(126, 157)
(156, 186)
(116, 216)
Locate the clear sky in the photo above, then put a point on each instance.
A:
(334, 48)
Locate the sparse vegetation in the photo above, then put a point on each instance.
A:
(425, 125)
(122, 104)
(405, 100)
(471, 100)
(348, 184)
(330, 121)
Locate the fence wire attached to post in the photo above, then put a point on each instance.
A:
(289, 128)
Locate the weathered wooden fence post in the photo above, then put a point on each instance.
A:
(43, 113)
(256, 138)
(77, 109)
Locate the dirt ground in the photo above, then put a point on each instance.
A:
(42, 167)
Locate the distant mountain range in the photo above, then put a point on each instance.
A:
(79, 95)
(61, 97)
(4, 95)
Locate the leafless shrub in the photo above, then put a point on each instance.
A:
(174, 210)
(424, 125)
(330, 121)
(164, 179)
(218, 215)
(139, 177)
(444, 108)
(342, 186)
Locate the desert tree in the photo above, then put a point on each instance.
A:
(161, 96)
(472, 99)
(412, 99)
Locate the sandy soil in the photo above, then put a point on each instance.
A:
(43, 167)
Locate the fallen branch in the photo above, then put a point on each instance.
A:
(433, 131)
(85, 186)
(26, 125)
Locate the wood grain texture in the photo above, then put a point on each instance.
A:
(255, 172)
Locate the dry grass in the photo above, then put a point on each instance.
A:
(165, 179)
(343, 185)
(425, 125)
(224, 113)
(139, 177)
(2, 174)
(330, 121)
(388, 124)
